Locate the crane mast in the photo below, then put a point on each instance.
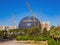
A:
(13, 19)
(41, 19)
(41, 15)
(32, 13)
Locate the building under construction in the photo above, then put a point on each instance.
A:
(29, 21)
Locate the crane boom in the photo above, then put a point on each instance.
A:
(32, 13)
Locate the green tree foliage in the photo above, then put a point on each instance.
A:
(52, 27)
(55, 33)
(34, 34)
(35, 31)
(45, 33)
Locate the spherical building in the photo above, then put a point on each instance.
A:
(28, 22)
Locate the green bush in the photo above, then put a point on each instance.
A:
(22, 38)
(52, 42)
(37, 38)
(58, 43)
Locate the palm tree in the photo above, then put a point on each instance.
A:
(52, 33)
(55, 33)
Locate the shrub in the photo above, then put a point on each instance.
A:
(36, 38)
(58, 43)
(22, 38)
(52, 42)
(40, 38)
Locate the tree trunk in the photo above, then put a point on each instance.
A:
(57, 40)
(52, 37)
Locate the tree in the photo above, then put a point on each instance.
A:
(52, 27)
(55, 33)
(45, 32)
(52, 33)
(5, 34)
(35, 31)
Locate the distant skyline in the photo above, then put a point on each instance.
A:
(50, 11)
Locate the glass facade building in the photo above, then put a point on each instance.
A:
(28, 22)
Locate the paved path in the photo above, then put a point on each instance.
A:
(12, 42)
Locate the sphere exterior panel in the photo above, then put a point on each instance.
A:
(28, 22)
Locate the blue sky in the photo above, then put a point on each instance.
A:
(50, 10)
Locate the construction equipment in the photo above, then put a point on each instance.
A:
(41, 20)
(41, 15)
(32, 14)
(13, 19)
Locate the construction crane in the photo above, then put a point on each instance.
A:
(41, 19)
(13, 19)
(41, 15)
(32, 14)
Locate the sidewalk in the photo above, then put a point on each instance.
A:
(13, 42)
